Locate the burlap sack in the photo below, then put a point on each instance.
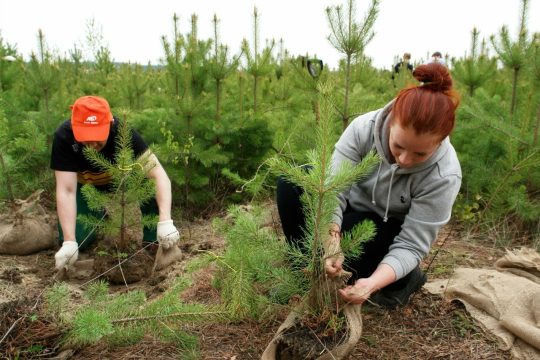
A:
(506, 302)
(353, 317)
(523, 262)
(26, 228)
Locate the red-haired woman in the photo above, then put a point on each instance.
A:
(409, 196)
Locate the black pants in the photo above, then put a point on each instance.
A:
(293, 222)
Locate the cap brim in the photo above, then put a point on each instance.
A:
(94, 133)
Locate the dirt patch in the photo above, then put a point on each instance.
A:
(25, 276)
(300, 342)
(147, 348)
(12, 275)
(429, 328)
(123, 270)
(30, 334)
(452, 250)
(202, 291)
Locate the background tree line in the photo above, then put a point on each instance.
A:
(214, 115)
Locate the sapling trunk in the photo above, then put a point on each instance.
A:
(241, 96)
(122, 244)
(514, 90)
(535, 139)
(322, 183)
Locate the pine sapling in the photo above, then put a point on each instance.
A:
(322, 184)
(129, 186)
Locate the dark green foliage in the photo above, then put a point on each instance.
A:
(9, 66)
(259, 64)
(253, 270)
(42, 81)
(129, 186)
(490, 148)
(135, 84)
(23, 149)
(124, 319)
(513, 54)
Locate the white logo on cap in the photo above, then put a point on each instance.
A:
(92, 120)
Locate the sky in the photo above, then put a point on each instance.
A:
(132, 30)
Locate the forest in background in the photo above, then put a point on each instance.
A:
(217, 118)
(214, 115)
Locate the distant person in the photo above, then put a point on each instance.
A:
(93, 125)
(404, 63)
(438, 58)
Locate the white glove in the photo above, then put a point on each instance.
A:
(67, 255)
(167, 234)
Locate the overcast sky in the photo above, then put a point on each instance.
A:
(132, 29)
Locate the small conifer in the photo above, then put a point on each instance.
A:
(129, 186)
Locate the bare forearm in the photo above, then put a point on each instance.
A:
(163, 184)
(66, 205)
(382, 276)
(163, 196)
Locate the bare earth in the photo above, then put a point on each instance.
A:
(428, 328)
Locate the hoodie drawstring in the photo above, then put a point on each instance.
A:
(375, 185)
(394, 168)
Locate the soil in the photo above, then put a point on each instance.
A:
(301, 342)
(31, 334)
(135, 267)
(428, 328)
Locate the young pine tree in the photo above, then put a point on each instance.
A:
(42, 81)
(129, 186)
(219, 67)
(514, 54)
(350, 38)
(23, 148)
(322, 184)
(258, 64)
(474, 70)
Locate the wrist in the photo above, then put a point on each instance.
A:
(164, 215)
(369, 284)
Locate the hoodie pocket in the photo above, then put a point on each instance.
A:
(403, 203)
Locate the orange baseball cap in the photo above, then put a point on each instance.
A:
(91, 119)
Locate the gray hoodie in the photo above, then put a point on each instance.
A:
(421, 196)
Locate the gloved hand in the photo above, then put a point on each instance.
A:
(67, 255)
(167, 234)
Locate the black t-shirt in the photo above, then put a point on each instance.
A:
(67, 153)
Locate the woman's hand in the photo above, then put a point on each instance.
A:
(333, 257)
(359, 292)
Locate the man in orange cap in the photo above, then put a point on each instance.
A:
(92, 124)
